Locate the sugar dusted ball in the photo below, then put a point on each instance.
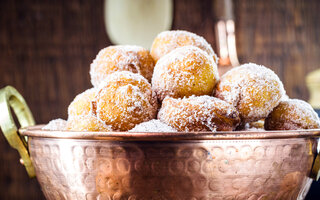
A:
(183, 72)
(124, 100)
(56, 125)
(199, 113)
(292, 114)
(81, 105)
(153, 126)
(87, 123)
(121, 58)
(167, 41)
(253, 89)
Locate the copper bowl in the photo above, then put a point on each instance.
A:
(182, 166)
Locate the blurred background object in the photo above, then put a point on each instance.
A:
(225, 35)
(313, 83)
(47, 47)
(137, 22)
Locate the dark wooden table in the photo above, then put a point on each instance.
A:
(46, 48)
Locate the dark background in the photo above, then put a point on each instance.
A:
(46, 48)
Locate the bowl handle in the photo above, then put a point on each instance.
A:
(315, 171)
(10, 98)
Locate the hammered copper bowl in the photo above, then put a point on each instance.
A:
(182, 166)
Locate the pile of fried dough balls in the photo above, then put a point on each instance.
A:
(176, 87)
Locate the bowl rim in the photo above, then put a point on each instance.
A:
(37, 131)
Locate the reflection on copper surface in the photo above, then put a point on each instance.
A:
(178, 168)
(226, 45)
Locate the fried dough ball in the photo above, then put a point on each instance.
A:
(183, 72)
(253, 89)
(81, 105)
(87, 122)
(124, 100)
(167, 41)
(199, 113)
(121, 58)
(292, 114)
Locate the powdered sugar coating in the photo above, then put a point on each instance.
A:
(56, 125)
(254, 126)
(167, 41)
(87, 122)
(199, 113)
(121, 58)
(153, 126)
(81, 105)
(253, 89)
(292, 114)
(253, 129)
(185, 71)
(124, 100)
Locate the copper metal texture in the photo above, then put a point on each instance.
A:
(195, 166)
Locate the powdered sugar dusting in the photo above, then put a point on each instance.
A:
(285, 97)
(293, 114)
(81, 105)
(254, 126)
(56, 125)
(125, 99)
(253, 129)
(185, 71)
(121, 58)
(198, 113)
(87, 122)
(253, 89)
(303, 110)
(167, 41)
(153, 126)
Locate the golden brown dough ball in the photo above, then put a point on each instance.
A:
(121, 58)
(253, 89)
(183, 72)
(167, 41)
(199, 113)
(124, 100)
(81, 105)
(86, 123)
(292, 114)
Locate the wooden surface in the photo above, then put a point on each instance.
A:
(46, 48)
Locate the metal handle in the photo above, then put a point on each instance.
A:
(225, 33)
(10, 98)
(315, 171)
(223, 9)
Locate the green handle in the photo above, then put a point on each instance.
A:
(10, 98)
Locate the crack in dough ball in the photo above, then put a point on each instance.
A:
(81, 105)
(292, 114)
(199, 113)
(167, 41)
(125, 99)
(183, 72)
(253, 89)
(87, 123)
(121, 58)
